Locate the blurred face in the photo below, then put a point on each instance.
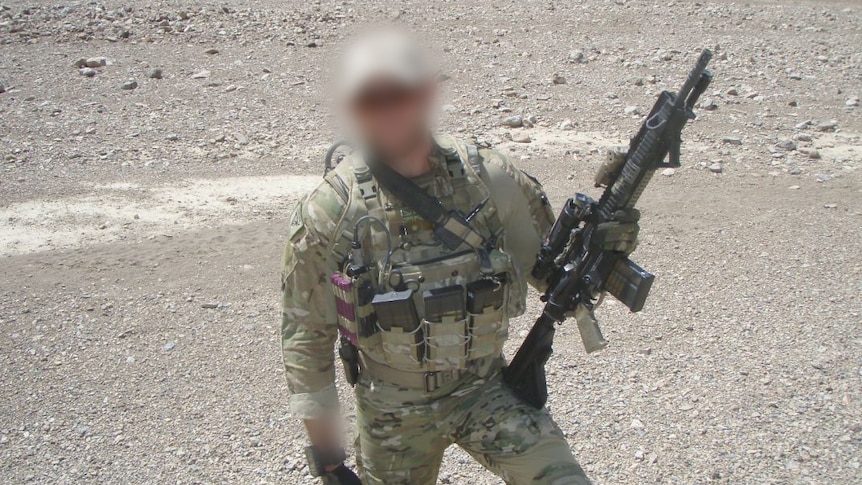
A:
(391, 118)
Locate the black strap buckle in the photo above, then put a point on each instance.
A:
(436, 380)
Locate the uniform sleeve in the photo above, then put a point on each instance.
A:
(308, 323)
(526, 219)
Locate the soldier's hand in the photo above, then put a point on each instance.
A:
(620, 234)
(341, 476)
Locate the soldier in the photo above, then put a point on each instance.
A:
(413, 255)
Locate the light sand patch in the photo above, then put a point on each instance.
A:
(123, 211)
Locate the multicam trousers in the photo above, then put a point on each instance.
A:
(403, 434)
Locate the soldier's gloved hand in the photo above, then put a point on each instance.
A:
(619, 234)
(341, 476)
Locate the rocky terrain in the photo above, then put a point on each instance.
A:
(150, 153)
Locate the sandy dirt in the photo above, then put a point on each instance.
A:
(141, 229)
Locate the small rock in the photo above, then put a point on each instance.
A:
(96, 62)
(567, 125)
(795, 171)
(578, 57)
(515, 121)
(639, 455)
(87, 72)
(826, 126)
(632, 111)
(169, 346)
(733, 92)
(668, 172)
(793, 187)
(211, 51)
(637, 424)
(241, 138)
(521, 138)
(201, 74)
(804, 124)
(172, 137)
(314, 43)
(231, 88)
(716, 168)
(732, 140)
(662, 55)
(154, 73)
(558, 79)
(852, 102)
(2, 88)
(830, 206)
(787, 145)
(209, 306)
(129, 85)
(811, 153)
(708, 104)
(82, 62)
(804, 137)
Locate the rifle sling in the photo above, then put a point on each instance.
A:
(450, 227)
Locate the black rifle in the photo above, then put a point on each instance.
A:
(578, 273)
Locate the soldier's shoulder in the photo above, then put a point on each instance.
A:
(496, 158)
(320, 209)
(488, 155)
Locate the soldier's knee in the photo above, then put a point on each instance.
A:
(569, 473)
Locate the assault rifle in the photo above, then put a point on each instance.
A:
(578, 274)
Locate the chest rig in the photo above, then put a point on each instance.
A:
(412, 310)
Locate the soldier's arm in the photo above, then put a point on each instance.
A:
(527, 216)
(309, 328)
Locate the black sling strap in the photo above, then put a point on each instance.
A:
(451, 228)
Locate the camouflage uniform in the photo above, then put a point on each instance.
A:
(403, 430)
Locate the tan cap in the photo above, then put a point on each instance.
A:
(385, 55)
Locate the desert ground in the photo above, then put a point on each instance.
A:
(151, 153)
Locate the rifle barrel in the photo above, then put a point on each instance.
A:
(693, 78)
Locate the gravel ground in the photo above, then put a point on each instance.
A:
(142, 217)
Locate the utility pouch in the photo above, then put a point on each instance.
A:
(353, 296)
(445, 328)
(488, 326)
(400, 329)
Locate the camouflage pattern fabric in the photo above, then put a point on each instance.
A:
(517, 442)
(403, 434)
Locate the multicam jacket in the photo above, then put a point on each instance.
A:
(315, 250)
